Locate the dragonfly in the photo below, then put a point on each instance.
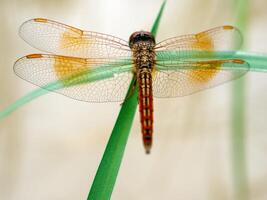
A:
(174, 67)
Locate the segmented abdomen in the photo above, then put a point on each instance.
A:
(146, 106)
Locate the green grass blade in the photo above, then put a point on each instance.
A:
(107, 172)
(257, 62)
(155, 26)
(108, 169)
(29, 97)
(22, 101)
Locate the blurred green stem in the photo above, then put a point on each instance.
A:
(241, 186)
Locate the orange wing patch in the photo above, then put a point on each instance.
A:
(71, 70)
(208, 71)
(204, 42)
(73, 36)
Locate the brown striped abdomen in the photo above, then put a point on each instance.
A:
(144, 76)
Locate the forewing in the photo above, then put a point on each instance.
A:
(185, 78)
(92, 80)
(57, 38)
(223, 38)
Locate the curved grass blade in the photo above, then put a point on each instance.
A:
(108, 169)
(257, 61)
(86, 77)
(90, 76)
(24, 100)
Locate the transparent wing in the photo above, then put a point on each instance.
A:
(54, 37)
(92, 80)
(188, 64)
(184, 78)
(223, 38)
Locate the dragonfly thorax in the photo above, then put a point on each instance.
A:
(142, 45)
(143, 55)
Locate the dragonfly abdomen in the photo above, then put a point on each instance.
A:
(146, 106)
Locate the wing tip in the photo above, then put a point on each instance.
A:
(16, 64)
(24, 58)
(25, 25)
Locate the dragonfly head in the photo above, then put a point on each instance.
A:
(140, 36)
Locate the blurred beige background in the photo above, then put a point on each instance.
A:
(51, 148)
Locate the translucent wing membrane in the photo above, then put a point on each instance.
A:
(50, 36)
(98, 67)
(188, 64)
(224, 38)
(93, 80)
(184, 78)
